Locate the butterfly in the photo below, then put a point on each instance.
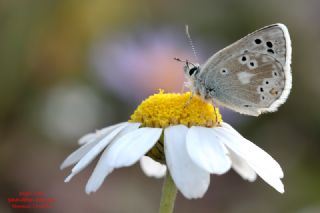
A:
(251, 76)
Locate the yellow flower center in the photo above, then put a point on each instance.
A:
(165, 109)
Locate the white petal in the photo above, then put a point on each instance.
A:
(88, 157)
(75, 156)
(89, 140)
(129, 128)
(103, 168)
(152, 168)
(206, 151)
(98, 175)
(99, 134)
(129, 148)
(241, 166)
(257, 154)
(261, 162)
(268, 176)
(191, 180)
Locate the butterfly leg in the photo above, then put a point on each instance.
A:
(216, 114)
(217, 119)
(189, 100)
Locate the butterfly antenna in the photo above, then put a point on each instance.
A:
(184, 61)
(191, 43)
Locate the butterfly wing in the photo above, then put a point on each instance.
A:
(252, 75)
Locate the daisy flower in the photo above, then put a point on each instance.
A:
(190, 141)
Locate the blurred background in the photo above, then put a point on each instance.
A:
(70, 67)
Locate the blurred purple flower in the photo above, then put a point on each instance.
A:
(135, 66)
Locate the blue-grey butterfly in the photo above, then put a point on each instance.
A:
(251, 76)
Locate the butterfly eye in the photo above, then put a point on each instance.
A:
(192, 70)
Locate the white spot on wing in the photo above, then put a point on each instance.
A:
(264, 59)
(244, 77)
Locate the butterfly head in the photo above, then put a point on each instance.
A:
(191, 70)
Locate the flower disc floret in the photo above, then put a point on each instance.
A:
(166, 109)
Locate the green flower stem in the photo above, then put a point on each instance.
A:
(168, 197)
